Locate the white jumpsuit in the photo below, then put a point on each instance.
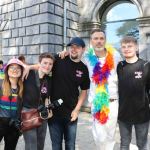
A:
(104, 133)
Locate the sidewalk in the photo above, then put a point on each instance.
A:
(84, 139)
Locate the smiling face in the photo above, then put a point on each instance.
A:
(129, 49)
(14, 71)
(76, 52)
(46, 65)
(98, 40)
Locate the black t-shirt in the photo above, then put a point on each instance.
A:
(134, 84)
(32, 89)
(45, 87)
(67, 77)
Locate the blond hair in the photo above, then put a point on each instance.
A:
(129, 39)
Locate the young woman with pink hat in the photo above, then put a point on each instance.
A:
(11, 92)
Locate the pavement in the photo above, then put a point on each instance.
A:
(84, 139)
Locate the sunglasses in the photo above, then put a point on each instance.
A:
(12, 68)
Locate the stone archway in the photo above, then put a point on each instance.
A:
(104, 6)
(93, 14)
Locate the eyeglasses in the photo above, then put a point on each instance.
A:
(12, 68)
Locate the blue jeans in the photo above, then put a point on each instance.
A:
(62, 127)
(141, 131)
(35, 138)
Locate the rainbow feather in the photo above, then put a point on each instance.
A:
(100, 77)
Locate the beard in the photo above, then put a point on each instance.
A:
(99, 49)
(74, 57)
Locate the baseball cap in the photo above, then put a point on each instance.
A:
(15, 61)
(76, 41)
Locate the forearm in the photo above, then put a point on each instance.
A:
(75, 112)
(81, 100)
(34, 67)
(27, 69)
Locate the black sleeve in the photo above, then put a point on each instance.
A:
(147, 67)
(86, 81)
(56, 56)
(118, 70)
(118, 66)
(148, 75)
(31, 91)
(49, 79)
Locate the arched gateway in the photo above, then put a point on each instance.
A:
(92, 16)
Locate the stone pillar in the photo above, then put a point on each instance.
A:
(144, 37)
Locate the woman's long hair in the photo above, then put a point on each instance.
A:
(6, 85)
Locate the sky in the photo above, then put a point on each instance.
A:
(119, 12)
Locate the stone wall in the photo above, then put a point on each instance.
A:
(31, 27)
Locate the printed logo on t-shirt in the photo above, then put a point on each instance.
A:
(138, 74)
(43, 90)
(79, 73)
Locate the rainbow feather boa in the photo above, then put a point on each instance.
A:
(100, 77)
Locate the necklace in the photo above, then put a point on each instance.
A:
(100, 77)
(14, 91)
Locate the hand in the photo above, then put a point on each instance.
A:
(74, 115)
(25, 72)
(63, 54)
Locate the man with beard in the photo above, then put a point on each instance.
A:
(102, 61)
(67, 76)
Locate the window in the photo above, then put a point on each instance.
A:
(119, 21)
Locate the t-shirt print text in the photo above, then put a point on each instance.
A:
(79, 73)
(138, 74)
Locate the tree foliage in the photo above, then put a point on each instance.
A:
(129, 28)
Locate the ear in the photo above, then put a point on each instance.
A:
(137, 48)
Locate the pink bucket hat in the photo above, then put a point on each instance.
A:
(15, 61)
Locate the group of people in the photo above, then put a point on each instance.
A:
(63, 83)
(17, 95)
(118, 92)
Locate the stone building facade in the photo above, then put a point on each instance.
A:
(92, 12)
(31, 27)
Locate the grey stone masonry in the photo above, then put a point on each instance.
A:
(31, 27)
